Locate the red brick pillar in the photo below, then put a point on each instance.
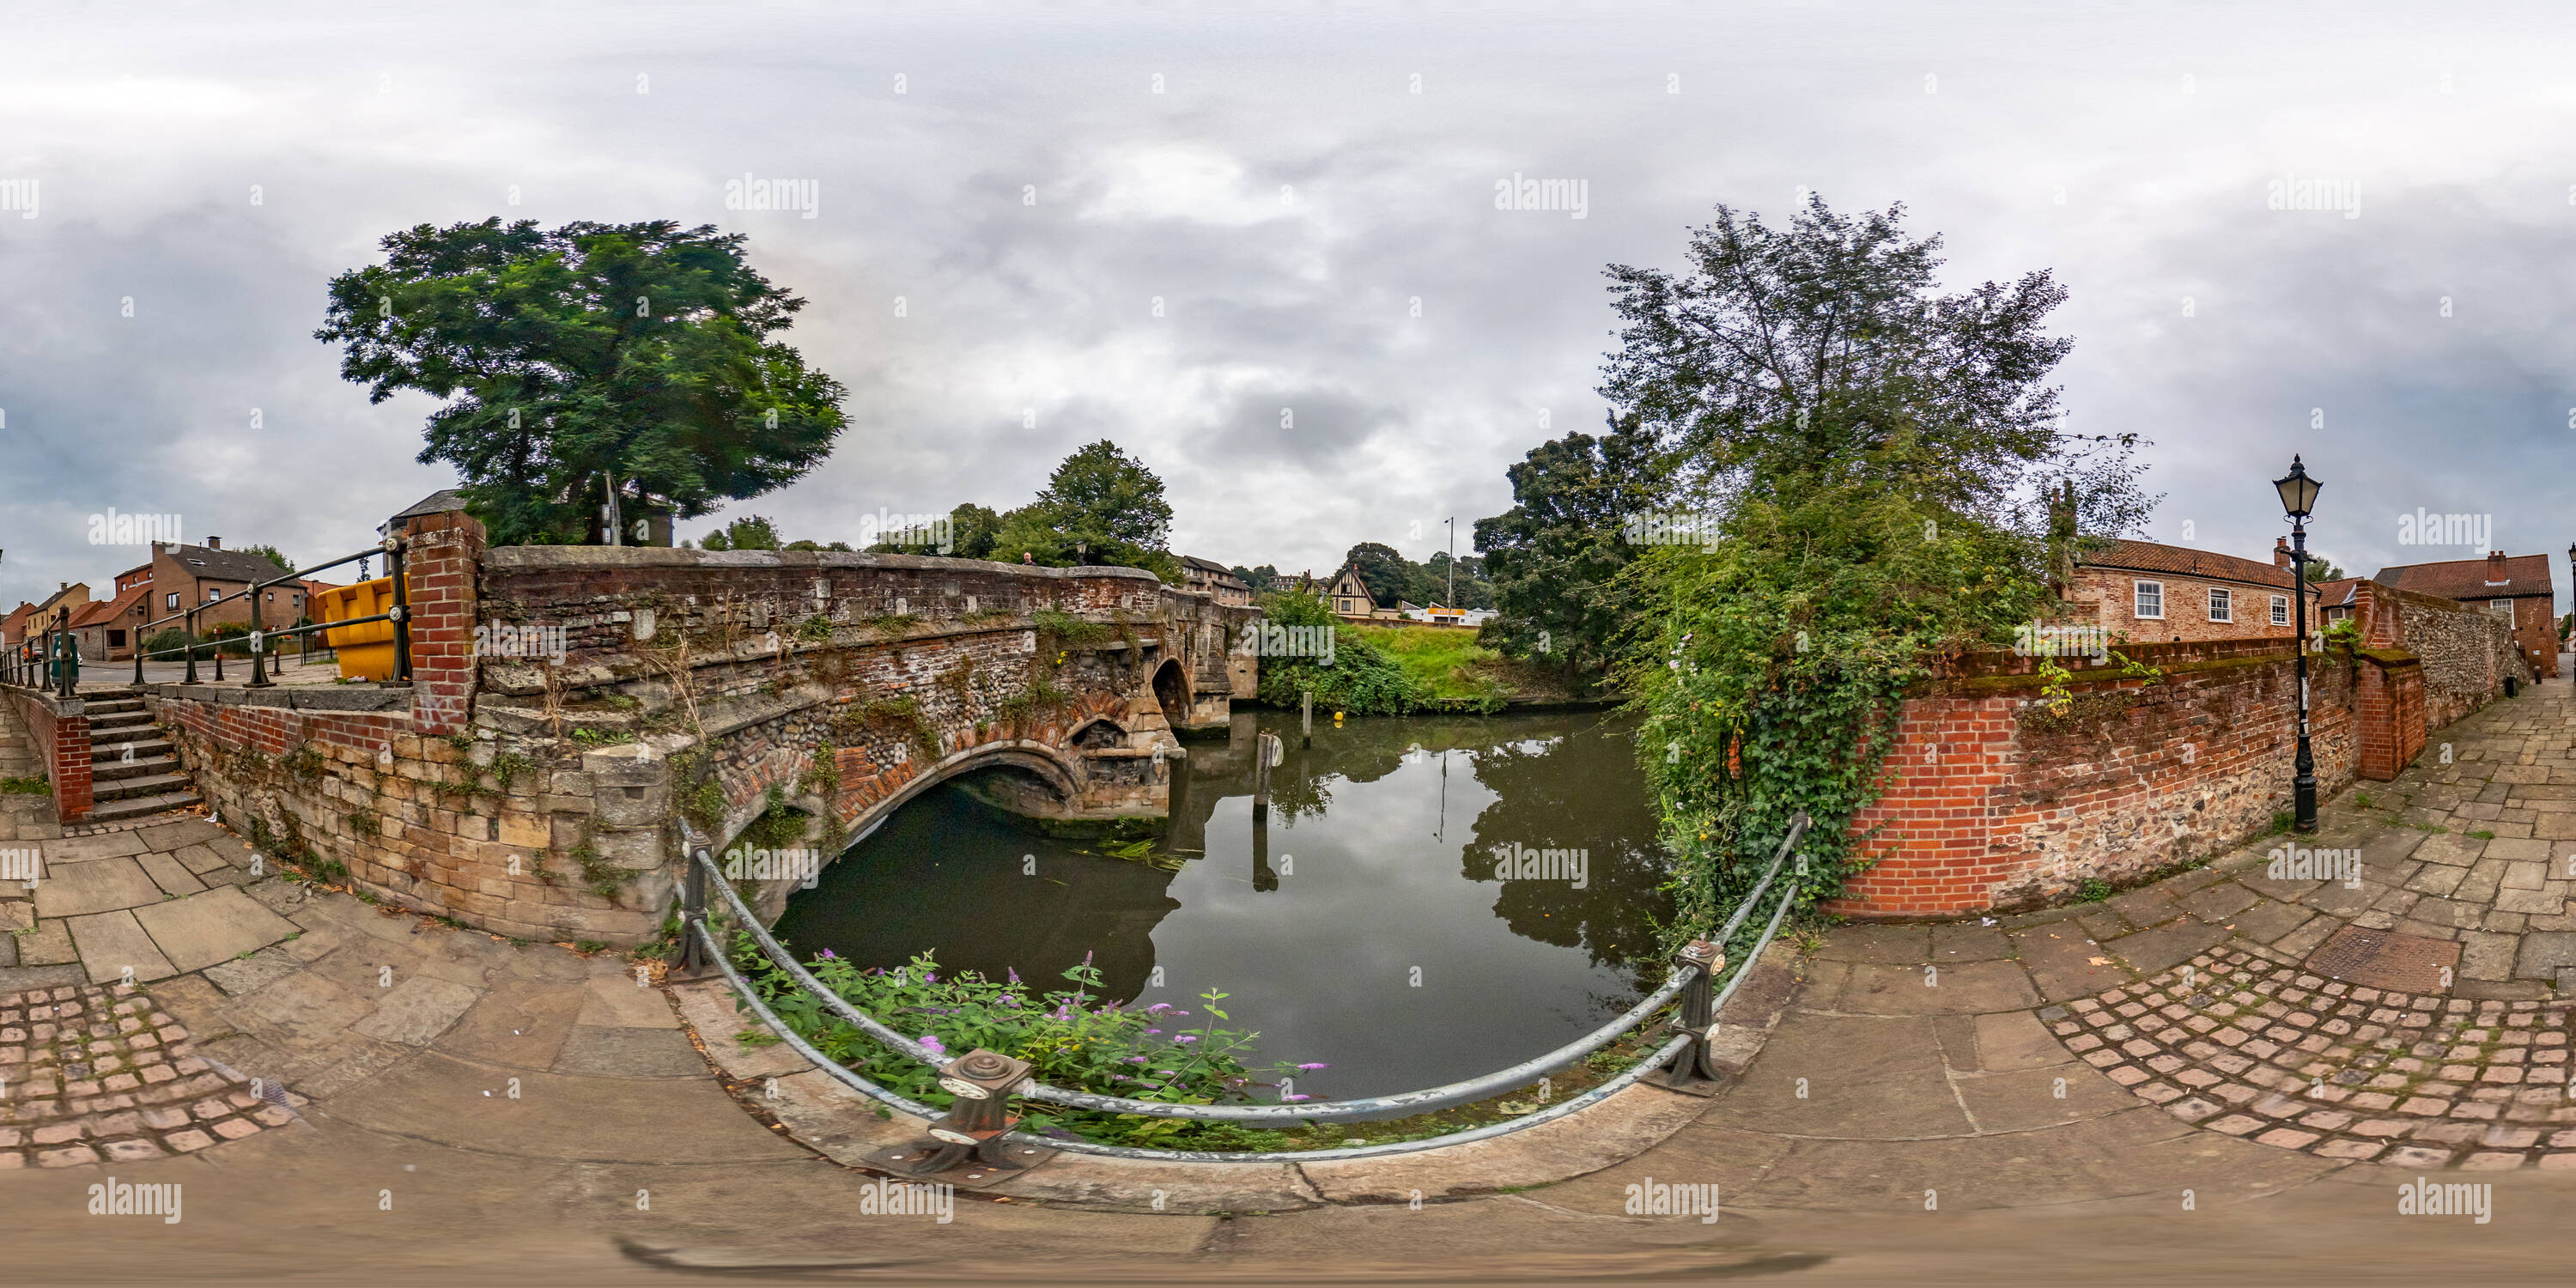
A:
(74, 797)
(441, 570)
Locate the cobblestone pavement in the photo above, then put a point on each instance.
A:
(98, 1075)
(2403, 1000)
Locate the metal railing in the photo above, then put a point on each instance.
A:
(976, 1124)
(259, 637)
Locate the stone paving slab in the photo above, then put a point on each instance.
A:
(215, 926)
(416, 1011)
(102, 885)
(113, 947)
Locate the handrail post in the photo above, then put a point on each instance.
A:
(258, 671)
(188, 643)
(138, 650)
(976, 1124)
(1696, 1015)
(402, 609)
(693, 908)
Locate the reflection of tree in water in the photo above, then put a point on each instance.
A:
(1577, 791)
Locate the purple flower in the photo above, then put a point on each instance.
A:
(1153, 1031)
(1299, 1096)
(829, 955)
(1158, 1008)
(929, 978)
(1015, 975)
(936, 1048)
(1187, 1037)
(1314, 1066)
(1135, 1059)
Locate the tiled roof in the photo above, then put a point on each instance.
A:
(2335, 594)
(224, 565)
(99, 612)
(2148, 556)
(2466, 579)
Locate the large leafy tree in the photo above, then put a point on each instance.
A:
(1101, 506)
(1555, 556)
(638, 357)
(1876, 453)
(1389, 575)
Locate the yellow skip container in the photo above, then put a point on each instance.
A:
(366, 651)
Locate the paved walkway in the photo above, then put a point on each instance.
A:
(1941, 1104)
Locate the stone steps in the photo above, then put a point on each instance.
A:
(150, 783)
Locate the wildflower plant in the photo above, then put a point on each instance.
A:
(1075, 1037)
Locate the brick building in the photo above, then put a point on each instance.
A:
(53, 614)
(110, 628)
(184, 575)
(1214, 580)
(2159, 594)
(2513, 587)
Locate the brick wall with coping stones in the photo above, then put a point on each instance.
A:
(1991, 803)
(60, 733)
(447, 852)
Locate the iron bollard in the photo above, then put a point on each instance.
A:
(402, 609)
(1697, 1014)
(188, 645)
(693, 907)
(982, 1081)
(258, 669)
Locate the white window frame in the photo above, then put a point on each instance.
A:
(2222, 605)
(2138, 591)
(174, 601)
(2501, 606)
(2280, 610)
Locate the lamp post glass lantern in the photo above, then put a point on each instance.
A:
(2298, 500)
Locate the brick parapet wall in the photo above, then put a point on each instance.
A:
(59, 730)
(1995, 801)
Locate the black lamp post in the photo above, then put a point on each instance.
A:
(2298, 497)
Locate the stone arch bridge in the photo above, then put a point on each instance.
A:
(579, 715)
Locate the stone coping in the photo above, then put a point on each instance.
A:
(299, 697)
(821, 1113)
(542, 558)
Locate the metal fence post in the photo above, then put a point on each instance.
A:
(258, 670)
(693, 910)
(402, 609)
(1697, 1011)
(188, 644)
(983, 1082)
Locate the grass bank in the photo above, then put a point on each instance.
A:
(1456, 672)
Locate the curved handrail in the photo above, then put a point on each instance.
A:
(1407, 1102)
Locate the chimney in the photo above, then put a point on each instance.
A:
(2280, 552)
(2495, 568)
(214, 543)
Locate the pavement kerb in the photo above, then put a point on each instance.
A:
(817, 1111)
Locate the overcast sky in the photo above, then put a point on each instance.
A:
(1300, 180)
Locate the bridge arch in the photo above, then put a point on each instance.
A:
(1172, 691)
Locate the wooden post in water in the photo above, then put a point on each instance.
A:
(1306, 718)
(1265, 751)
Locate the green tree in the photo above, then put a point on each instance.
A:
(1361, 678)
(273, 555)
(1869, 448)
(2320, 568)
(1101, 506)
(1388, 575)
(1261, 579)
(972, 530)
(750, 532)
(1555, 556)
(634, 356)
(1473, 590)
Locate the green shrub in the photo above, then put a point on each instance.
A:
(1074, 1036)
(1362, 680)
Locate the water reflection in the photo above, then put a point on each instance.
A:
(1363, 924)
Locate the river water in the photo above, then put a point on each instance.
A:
(1363, 925)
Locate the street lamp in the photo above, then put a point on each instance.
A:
(2298, 498)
